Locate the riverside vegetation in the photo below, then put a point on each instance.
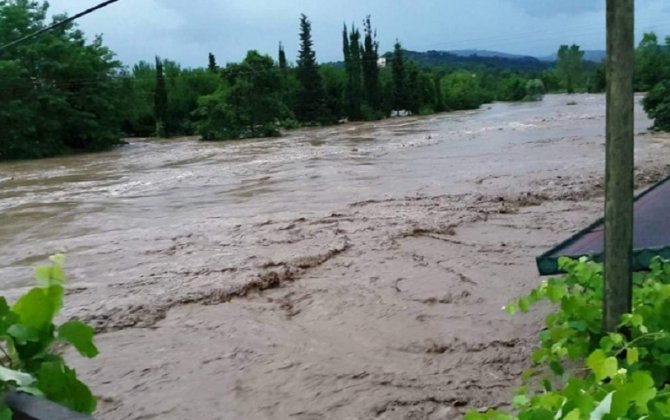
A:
(582, 373)
(62, 94)
(30, 343)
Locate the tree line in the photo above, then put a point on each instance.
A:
(61, 94)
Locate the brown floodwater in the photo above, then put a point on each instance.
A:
(354, 271)
(80, 204)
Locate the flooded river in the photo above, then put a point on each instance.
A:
(354, 271)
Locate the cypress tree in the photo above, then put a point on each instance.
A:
(352, 63)
(355, 79)
(283, 65)
(160, 100)
(310, 106)
(212, 64)
(399, 77)
(370, 68)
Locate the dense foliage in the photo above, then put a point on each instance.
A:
(65, 95)
(28, 338)
(581, 372)
(58, 91)
(653, 76)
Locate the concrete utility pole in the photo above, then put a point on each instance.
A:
(619, 161)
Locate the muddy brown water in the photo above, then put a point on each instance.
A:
(349, 272)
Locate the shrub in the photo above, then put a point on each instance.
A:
(657, 105)
(535, 90)
(27, 340)
(581, 372)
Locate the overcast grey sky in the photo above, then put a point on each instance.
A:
(186, 30)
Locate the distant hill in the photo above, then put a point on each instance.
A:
(486, 53)
(589, 55)
(474, 58)
(468, 59)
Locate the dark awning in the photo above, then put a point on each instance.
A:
(651, 237)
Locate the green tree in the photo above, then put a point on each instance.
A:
(462, 91)
(650, 63)
(535, 90)
(570, 66)
(370, 56)
(160, 101)
(334, 81)
(283, 64)
(59, 92)
(399, 76)
(211, 63)
(311, 96)
(353, 91)
(657, 105)
(248, 105)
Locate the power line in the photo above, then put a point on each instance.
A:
(57, 24)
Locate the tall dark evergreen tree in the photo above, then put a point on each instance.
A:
(399, 76)
(352, 58)
(160, 100)
(370, 57)
(310, 105)
(283, 64)
(211, 66)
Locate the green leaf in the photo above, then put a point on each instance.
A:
(639, 391)
(573, 415)
(60, 384)
(556, 367)
(80, 336)
(524, 304)
(5, 412)
(616, 338)
(520, 401)
(58, 259)
(19, 378)
(601, 365)
(632, 356)
(555, 292)
(23, 334)
(603, 408)
(38, 307)
(511, 309)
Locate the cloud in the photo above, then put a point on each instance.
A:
(185, 31)
(551, 8)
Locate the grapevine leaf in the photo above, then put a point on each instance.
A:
(603, 408)
(524, 304)
(632, 356)
(520, 401)
(37, 308)
(80, 336)
(23, 334)
(20, 378)
(601, 365)
(60, 384)
(58, 259)
(573, 415)
(639, 391)
(43, 276)
(511, 309)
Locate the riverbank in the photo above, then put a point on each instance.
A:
(345, 272)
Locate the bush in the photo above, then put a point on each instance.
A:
(535, 90)
(28, 337)
(581, 372)
(657, 105)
